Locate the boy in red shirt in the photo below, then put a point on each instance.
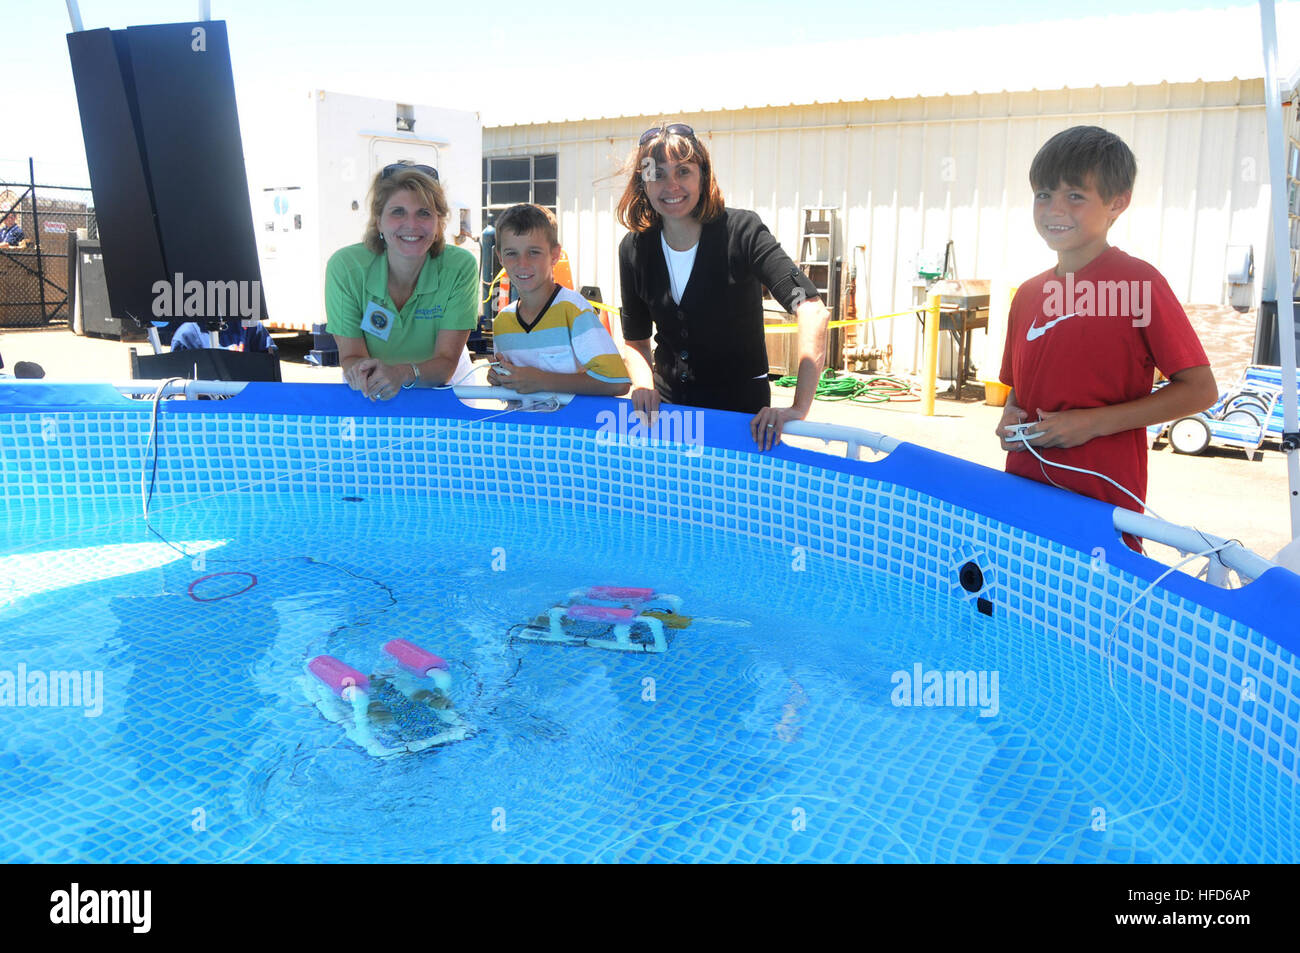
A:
(1084, 338)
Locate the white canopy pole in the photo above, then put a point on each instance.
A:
(74, 14)
(1281, 258)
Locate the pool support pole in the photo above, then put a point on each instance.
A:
(931, 354)
(1281, 242)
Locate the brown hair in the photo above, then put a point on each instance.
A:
(522, 219)
(426, 189)
(1073, 154)
(634, 210)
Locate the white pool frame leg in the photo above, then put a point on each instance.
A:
(656, 629)
(557, 629)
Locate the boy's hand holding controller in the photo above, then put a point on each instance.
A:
(1012, 416)
(1068, 428)
(520, 379)
(1062, 428)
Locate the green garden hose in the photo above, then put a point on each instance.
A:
(873, 390)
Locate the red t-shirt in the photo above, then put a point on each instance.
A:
(1094, 339)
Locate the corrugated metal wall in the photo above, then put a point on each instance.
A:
(911, 174)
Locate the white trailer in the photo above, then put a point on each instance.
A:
(314, 203)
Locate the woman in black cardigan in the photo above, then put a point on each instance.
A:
(693, 270)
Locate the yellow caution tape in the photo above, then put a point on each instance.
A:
(784, 328)
(492, 288)
(787, 328)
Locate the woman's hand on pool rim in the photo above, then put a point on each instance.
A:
(769, 423)
(385, 381)
(645, 401)
(357, 375)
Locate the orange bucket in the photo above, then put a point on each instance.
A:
(996, 393)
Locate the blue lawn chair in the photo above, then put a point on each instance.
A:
(1240, 418)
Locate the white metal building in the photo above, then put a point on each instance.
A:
(918, 140)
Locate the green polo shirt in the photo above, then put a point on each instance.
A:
(445, 297)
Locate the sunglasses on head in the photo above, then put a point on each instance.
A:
(676, 129)
(401, 166)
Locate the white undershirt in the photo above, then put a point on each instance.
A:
(680, 264)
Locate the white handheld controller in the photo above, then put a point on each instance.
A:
(1020, 432)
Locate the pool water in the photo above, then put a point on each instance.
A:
(767, 732)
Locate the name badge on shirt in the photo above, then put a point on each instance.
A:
(377, 320)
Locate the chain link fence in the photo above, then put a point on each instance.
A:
(34, 274)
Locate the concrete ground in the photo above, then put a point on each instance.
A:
(1221, 492)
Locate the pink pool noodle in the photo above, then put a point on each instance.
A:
(337, 675)
(619, 592)
(413, 658)
(601, 614)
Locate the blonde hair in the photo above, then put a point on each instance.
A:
(426, 189)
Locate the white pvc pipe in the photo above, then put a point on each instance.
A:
(1281, 252)
(1185, 539)
(855, 437)
(228, 388)
(74, 14)
(486, 392)
(190, 389)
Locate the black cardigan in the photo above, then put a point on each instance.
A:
(712, 343)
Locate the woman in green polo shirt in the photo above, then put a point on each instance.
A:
(402, 303)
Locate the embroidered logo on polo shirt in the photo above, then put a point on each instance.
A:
(429, 314)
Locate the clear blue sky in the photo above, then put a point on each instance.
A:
(290, 46)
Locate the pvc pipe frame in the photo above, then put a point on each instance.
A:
(487, 392)
(855, 437)
(192, 389)
(1234, 556)
(188, 389)
(1188, 540)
